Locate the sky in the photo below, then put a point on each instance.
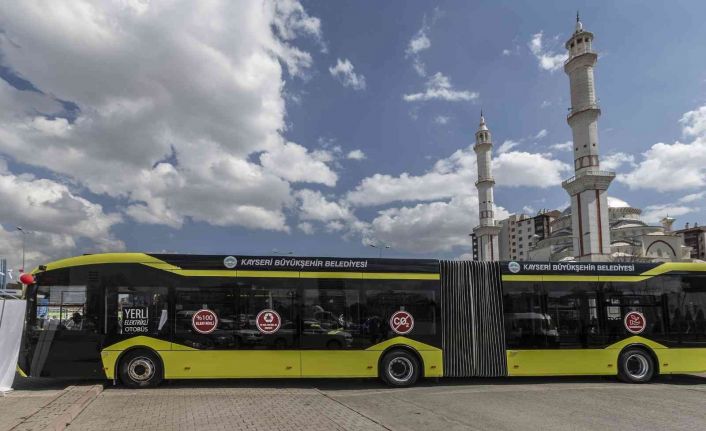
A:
(322, 128)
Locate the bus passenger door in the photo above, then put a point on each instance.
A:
(68, 332)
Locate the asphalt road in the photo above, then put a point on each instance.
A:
(677, 402)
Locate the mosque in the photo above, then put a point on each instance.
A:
(595, 227)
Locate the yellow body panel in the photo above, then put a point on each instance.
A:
(183, 362)
(561, 362)
(340, 363)
(601, 361)
(676, 361)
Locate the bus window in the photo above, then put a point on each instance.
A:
(330, 314)
(644, 297)
(574, 313)
(64, 308)
(260, 294)
(685, 298)
(385, 297)
(220, 301)
(526, 323)
(141, 310)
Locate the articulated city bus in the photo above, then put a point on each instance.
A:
(141, 318)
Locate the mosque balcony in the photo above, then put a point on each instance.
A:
(588, 179)
(490, 180)
(590, 107)
(579, 51)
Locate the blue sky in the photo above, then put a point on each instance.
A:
(320, 127)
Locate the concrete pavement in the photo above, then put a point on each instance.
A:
(677, 402)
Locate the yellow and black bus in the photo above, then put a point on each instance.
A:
(141, 318)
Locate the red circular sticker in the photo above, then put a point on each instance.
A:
(635, 322)
(204, 321)
(268, 321)
(402, 322)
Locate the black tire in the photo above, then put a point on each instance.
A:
(400, 369)
(140, 369)
(636, 366)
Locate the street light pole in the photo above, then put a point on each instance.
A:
(384, 246)
(19, 228)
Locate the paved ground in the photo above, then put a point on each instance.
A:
(460, 404)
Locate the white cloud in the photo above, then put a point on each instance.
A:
(314, 206)
(612, 162)
(677, 166)
(694, 197)
(654, 213)
(356, 155)
(307, 228)
(547, 59)
(522, 169)
(291, 20)
(545, 104)
(173, 114)
(668, 167)
(507, 146)
(455, 176)
(421, 42)
(448, 177)
(563, 146)
(442, 119)
(439, 87)
(343, 71)
(694, 122)
(614, 202)
(58, 222)
(295, 163)
(541, 134)
(429, 227)
(507, 52)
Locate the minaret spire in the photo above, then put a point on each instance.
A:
(588, 188)
(486, 233)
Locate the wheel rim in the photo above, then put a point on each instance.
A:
(400, 369)
(637, 366)
(141, 369)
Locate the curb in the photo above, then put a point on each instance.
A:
(64, 419)
(61, 410)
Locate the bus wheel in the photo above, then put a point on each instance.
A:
(635, 366)
(140, 369)
(399, 368)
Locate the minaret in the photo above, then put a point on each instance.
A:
(588, 188)
(486, 232)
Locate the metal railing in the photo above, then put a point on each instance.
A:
(486, 179)
(578, 53)
(594, 172)
(582, 108)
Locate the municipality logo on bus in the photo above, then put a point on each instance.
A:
(230, 262)
(514, 267)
